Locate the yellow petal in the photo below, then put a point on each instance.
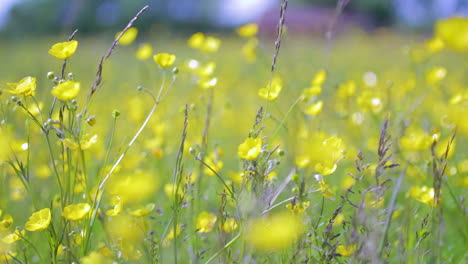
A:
(76, 212)
(164, 60)
(39, 220)
(66, 91)
(128, 37)
(144, 52)
(64, 50)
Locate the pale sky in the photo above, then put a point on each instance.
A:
(5, 6)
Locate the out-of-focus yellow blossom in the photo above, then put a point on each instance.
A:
(302, 161)
(214, 163)
(372, 200)
(17, 190)
(339, 219)
(207, 83)
(64, 50)
(86, 142)
(39, 220)
(143, 211)
(196, 40)
(274, 232)
(313, 90)
(95, 258)
(441, 147)
(248, 30)
(171, 235)
(453, 32)
(370, 101)
(415, 139)
(434, 45)
(128, 37)
(205, 222)
(423, 194)
(315, 108)
(133, 187)
(229, 225)
(250, 148)
(435, 75)
(26, 87)
(43, 171)
(144, 52)
(332, 152)
(326, 190)
(298, 208)
(319, 78)
(6, 222)
(210, 45)
(116, 210)
(347, 182)
(164, 60)
(207, 70)
(346, 89)
(170, 188)
(13, 237)
(66, 90)
(125, 228)
(249, 50)
(272, 91)
(272, 176)
(346, 250)
(76, 212)
(237, 177)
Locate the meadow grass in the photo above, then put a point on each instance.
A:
(353, 152)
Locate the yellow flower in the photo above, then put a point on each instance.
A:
(435, 75)
(249, 50)
(116, 210)
(272, 91)
(196, 40)
(39, 220)
(26, 87)
(210, 45)
(346, 251)
(453, 32)
(248, 30)
(423, 194)
(319, 78)
(13, 237)
(434, 45)
(205, 222)
(170, 188)
(207, 83)
(85, 142)
(128, 37)
(326, 191)
(76, 212)
(171, 235)
(214, 163)
(95, 258)
(207, 70)
(229, 225)
(298, 208)
(274, 232)
(64, 50)
(143, 211)
(164, 60)
(67, 90)
(250, 148)
(6, 223)
(315, 108)
(144, 52)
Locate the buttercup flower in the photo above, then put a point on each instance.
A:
(164, 60)
(250, 148)
(26, 87)
(128, 37)
(64, 50)
(39, 220)
(76, 212)
(67, 90)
